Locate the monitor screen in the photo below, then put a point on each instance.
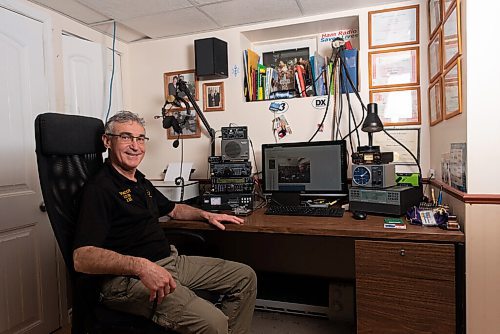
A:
(308, 168)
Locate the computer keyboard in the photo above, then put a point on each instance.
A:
(288, 210)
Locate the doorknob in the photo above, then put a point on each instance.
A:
(42, 207)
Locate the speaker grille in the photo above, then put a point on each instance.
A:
(233, 149)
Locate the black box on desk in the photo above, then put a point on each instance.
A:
(228, 201)
(394, 201)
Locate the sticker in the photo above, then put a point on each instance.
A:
(319, 102)
(281, 126)
(278, 107)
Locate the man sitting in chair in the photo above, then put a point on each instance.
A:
(118, 234)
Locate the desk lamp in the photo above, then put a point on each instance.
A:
(371, 124)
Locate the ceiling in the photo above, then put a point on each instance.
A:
(155, 19)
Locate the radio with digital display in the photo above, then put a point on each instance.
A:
(389, 201)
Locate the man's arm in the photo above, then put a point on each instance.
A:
(186, 212)
(95, 260)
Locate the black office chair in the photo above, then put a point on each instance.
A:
(69, 151)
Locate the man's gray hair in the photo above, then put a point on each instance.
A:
(123, 116)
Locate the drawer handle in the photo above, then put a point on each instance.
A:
(402, 252)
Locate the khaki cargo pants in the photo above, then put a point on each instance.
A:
(182, 310)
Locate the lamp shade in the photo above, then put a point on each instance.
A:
(372, 122)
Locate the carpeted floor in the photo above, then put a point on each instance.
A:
(279, 323)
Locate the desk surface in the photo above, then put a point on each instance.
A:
(372, 227)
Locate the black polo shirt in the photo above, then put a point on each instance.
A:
(122, 215)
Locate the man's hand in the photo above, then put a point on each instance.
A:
(216, 219)
(157, 279)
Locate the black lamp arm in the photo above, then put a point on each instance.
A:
(182, 86)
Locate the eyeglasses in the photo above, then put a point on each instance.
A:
(127, 138)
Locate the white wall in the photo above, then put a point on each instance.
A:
(149, 60)
(483, 87)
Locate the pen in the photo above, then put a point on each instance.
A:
(440, 196)
(433, 196)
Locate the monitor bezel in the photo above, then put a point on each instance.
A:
(344, 182)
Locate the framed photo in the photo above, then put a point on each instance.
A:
(434, 10)
(435, 58)
(393, 27)
(451, 36)
(410, 137)
(398, 106)
(394, 68)
(189, 123)
(213, 96)
(452, 90)
(435, 102)
(447, 5)
(170, 81)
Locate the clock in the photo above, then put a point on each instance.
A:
(373, 176)
(361, 175)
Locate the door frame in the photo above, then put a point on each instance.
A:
(31, 11)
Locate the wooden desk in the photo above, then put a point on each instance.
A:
(407, 281)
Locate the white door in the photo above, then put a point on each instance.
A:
(87, 76)
(29, 301)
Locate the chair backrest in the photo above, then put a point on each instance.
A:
(69, 151)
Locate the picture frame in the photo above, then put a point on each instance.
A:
(452, 41)
(435, 102)
(452, 90)
(435, 56)
(170, 79)
(398, 106)
(434, 13)
(410, 137)
(447, 5)
(394, 68)
(393, 27)
(213, 96)
(189, 123)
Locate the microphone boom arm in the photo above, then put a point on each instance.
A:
(182, 86)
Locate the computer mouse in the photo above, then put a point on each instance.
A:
(359, 215)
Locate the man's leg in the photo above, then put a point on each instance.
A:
(236, 281)
(181, 310)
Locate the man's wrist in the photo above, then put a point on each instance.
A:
(206, 215)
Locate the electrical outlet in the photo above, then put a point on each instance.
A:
(432, 173)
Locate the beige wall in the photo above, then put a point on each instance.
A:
(482, 233)
(149, 60)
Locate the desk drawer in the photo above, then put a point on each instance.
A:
(404, 287)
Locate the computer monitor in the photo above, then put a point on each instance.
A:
(309, 168)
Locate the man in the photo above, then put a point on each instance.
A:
(118, 234)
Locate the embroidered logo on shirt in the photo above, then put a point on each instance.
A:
(126, 194)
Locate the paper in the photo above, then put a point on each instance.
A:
(176, 169)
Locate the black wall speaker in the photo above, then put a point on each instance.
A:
(210, 56)
(234, 149)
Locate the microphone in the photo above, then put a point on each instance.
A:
(174, 99)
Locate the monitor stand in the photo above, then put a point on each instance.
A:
(285, 198)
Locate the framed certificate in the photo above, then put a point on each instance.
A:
(451, 36)
(409, 137)
(398, 106)
(394, 68)
(435, 59)
(447, 5)
(393, 27)
(435, 102)
(434, 10)
(452, 90)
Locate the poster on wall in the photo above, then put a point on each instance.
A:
(325, 39)
(458, 172)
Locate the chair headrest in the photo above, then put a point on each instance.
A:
(62, 134)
